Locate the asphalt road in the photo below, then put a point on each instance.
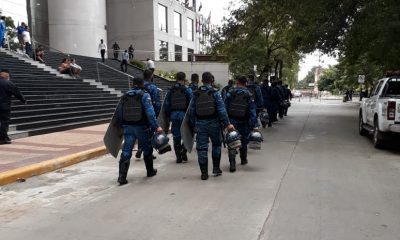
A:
(315, 178)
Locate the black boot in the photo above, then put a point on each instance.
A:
(184, 154)
(139, 153)
(232, 160)
(123, 171)
(216, 169)
(204, 171)
(148, 161)
(178, 152)
(243, 157)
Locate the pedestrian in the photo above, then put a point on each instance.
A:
(207, 113)
(20, 30)
(282, 94)
(150, 65)
(288, 97)
(27, 42)
(151, 88)
(277, 99)
(115, 48)
(75, 68)
(131, 51)
(136, 125)
(194, 82)
(176, 103)
(226, 89)
(242, 114)
(2, 30)
(39, 54)
(124, 62)
(65, 67)
(255, 90)
(102, 49)
(268, 99)
(7, 90)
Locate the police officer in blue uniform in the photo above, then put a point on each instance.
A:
(194, 82)
(268, 98)
(226, 89)
(277, 99)
(255, 90)
(138, 120)
(151, 88)
(207, 113)
(242, 114)
(288, 98)
(282, 94)
(176, 103)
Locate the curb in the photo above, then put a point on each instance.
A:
(49, 165)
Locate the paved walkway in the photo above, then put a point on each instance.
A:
(30, 150)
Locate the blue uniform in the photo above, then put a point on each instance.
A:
(245, 125)
(155, 96)
(2, 32)
(225, 90)
(209, 128)
(256, 91)
(193, 86)
(176, 117)
(269, 101)
(141, 131)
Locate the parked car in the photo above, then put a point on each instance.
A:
(380, 113)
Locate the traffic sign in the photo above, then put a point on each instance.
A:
(361, 79)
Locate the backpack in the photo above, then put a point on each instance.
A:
(205, 104)
(132, 109)
(178, 99)
(238, 104)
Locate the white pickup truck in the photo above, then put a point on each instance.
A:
(380, 113)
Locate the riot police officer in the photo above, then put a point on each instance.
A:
(207, 113)
(226, 89)
(176, 103)
(282, 94)
(255, 90)
(151, 88)
(194, 82)
(288, 98)
(242, 114)
(277, 99)
(137, 118)
(268, 98)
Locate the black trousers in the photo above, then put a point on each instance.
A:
(103, 53)
(4, 123)
(124, 63)
(115, 55)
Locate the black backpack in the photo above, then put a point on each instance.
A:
(179, 101)
(238, 104)
(205, 104)
(133, 110)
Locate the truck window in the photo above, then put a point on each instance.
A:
(393, 88)
(378, 88)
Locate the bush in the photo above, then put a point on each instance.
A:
(167, 75)
(137, 63)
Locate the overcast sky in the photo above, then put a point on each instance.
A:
(14, 8)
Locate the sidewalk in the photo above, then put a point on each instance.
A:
(33, 150)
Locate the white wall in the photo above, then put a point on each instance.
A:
(76, 26)
(219, 70)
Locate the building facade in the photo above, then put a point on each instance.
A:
(157, 29)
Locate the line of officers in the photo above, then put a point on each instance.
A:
(228, 117)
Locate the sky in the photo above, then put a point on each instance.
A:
(14, 8)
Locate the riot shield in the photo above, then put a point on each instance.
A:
(187, 132)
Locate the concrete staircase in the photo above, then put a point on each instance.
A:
(55, 102)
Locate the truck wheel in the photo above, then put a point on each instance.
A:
(378, 137)
(361, 129)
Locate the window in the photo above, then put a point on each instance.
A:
(163, 50)
(178, 24)
(162, 18)
(190, 55)
(393, 88)
(190, 32)
(178, 53)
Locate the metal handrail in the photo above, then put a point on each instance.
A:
(104, 65)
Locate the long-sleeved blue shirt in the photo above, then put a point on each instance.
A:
(252, 114)
(155, 96)
(175, 115)
(146, 104)
(219, 104)
(257, 95)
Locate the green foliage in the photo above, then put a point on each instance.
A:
(171, 76)
(137, 63)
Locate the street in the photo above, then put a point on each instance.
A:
(315, 178)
